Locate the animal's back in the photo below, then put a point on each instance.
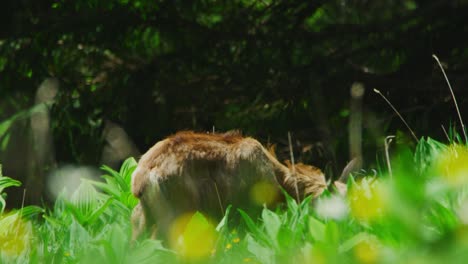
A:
(186, 151)
(199, 172)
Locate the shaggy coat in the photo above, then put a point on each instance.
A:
(190, 171)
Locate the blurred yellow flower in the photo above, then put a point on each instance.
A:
(317, 256)
(367, 252)
(228, 246)
(452, 165)
(263, 192)
(367, 199)
(15, 235)
(193, 236)
(461, 235)
(236, 240)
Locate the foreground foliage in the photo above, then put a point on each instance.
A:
(418, 214)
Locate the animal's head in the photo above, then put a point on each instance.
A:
(310, 180)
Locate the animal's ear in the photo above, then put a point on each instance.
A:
(351, 166)
(272, 150)
(340, 187)
(288, 164)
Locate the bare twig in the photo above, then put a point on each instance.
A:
(293, 168)
(398, 113)
(18, 222)
(453, 97)
(219, 199)
(387, 142)
(445, 132)
(24, 197)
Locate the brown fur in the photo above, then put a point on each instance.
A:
(206, 172)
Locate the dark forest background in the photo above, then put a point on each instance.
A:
(91, 82)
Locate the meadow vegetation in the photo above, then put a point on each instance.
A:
(416, 214)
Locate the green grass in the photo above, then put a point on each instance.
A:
(420, 215)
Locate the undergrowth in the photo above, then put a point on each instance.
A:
(420, 215)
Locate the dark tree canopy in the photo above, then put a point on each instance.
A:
(264, 67)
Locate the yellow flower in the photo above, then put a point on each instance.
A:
(317, 256)
(193, 236)
(366, 252)
(228, 246)
(247, 259)
(15, 235)
(452, 165)
(263, 192)
(367, 199)
(236, 240)
(461, 235)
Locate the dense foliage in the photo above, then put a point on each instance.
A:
(417, 214)
(265, 67)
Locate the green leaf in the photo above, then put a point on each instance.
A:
(6, 182)
(223, 223)
(332, 234)
(262, 253)
(291, 202)
(350, 183)
(304, 208)
(31, 211)
(272, 224)
(317, 229)
(353, 241)
(54, 221)
(2, 204)
(108, 188)
(256, 231)
(98, 212)
(288, 238)
(151, 251)
(4, 140)
(127, 168)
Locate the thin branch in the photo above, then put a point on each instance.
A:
(398, 113)
(18, 222)
(453, 97)
(293, 166)
(387, 142)
(445, 132)
(219, 199)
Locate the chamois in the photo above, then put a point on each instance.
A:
(191, 171)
